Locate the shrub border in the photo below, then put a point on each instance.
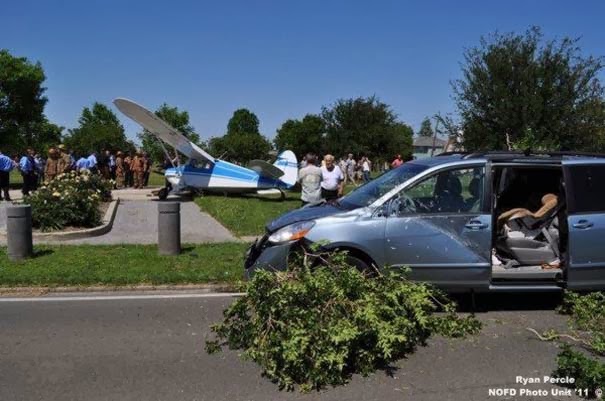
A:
(104, 228)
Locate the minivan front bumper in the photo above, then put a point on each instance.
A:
(266, 256)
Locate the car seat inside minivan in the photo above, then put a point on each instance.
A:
(529, 239)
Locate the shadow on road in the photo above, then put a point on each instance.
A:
(508, 302)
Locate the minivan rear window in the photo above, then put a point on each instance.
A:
(586, 189)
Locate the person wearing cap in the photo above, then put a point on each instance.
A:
(138, 170)
(331, 179)
(6, 166)
(64, 162)
(128, 181)
(51, 170)
(120, 170)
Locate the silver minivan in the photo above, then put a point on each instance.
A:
(496, 221)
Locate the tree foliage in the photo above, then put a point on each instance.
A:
(99, 129)
(521, 91)
(582, 355)
(425, 128)
(243, 141)
(179, 120)
(301, 136)
(22, 101)
(365, 126)
(317, 326)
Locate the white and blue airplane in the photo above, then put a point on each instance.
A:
(206, 173)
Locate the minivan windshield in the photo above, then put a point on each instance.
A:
(369, 192)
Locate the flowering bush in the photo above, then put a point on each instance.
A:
(71, 199)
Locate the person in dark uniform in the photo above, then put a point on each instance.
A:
(27, 165)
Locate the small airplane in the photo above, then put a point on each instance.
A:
(206, 173)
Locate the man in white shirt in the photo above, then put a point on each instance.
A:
(331, 179)
(365, 168)
(309, 178)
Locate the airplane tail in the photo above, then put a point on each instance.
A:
(286, 162)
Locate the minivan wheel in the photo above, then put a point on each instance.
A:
(360, 265)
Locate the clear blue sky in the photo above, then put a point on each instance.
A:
(281, 59)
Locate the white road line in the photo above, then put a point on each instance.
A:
(118, 297)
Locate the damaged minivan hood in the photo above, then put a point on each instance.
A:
(304, 214)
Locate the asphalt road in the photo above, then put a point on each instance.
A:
(152, 349)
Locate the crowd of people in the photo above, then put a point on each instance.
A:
(127, 169)
(326, 180)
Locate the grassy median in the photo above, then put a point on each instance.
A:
(64, 265)
(246, 215)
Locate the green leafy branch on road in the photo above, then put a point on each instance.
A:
(587, 328)
(316, 326)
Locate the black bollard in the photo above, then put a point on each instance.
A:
(169, 228)
(19, 232)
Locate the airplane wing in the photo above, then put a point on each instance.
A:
(265, 169)
(162, 130)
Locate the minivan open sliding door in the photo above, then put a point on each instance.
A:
(585, 188)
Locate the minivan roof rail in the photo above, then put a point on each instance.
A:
(497, 154)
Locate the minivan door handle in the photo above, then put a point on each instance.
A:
(475, 225)
(583, 224)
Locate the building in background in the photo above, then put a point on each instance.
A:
(423, 145)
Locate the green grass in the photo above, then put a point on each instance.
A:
(246, 215)
(124, 265)
(156, 179)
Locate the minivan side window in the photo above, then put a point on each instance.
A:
(449, 191)
(587, 188)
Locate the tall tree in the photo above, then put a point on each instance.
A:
(425, 128)
(99, 129)
(22, 102)
(301, 136)
(523, 91)
(365, 126)
(243, 141)
(179, 120)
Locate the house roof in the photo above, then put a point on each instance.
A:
(428, 141)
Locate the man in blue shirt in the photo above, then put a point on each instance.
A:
(27, 165)
(6, 165)
(82, 164)
(92, 162)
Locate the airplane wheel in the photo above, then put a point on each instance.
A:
(163, 194)
(283, 196)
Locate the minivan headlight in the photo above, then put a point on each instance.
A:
(292, 232)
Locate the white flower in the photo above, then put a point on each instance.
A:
(56, 194)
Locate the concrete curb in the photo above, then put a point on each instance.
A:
(104, 228)
(249, 238)
(203, 288)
